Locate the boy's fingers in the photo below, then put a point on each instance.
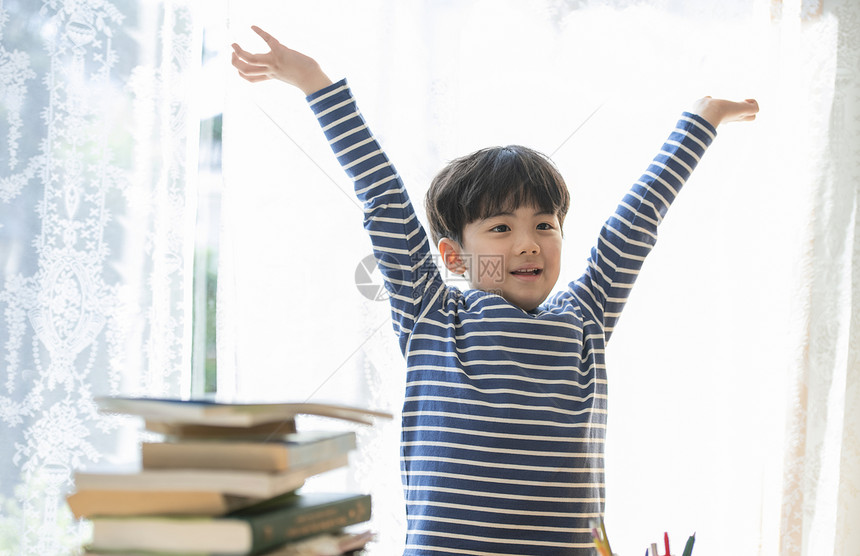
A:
(238, 50)
(270, 40)
(247, 69)
(753, 103)
(245, 55)
(748, 111)
(743, 111)
(253, 78)
(256, 78)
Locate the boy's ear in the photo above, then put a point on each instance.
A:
(452, 255)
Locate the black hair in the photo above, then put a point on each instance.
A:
(493, 181)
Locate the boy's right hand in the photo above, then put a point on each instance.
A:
(279, 63)
(720, 111)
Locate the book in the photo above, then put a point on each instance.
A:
(261, 432)
(254, 484)
(294, 450)
(215, 413)
(253, 530)
(326, 544)
(89, 503)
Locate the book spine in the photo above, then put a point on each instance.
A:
(276, 529)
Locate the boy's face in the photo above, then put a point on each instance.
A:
(517, 255)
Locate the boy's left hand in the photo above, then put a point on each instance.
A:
(718, 111)
(280, 63)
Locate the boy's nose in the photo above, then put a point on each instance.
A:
(528, 246)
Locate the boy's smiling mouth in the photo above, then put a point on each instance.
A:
(527, 271)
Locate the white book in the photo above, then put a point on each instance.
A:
(253, 484)
(217, 413)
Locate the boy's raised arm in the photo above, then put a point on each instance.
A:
(631, 232)
(280, 63)
(400, 245)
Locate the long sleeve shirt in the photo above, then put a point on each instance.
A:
(504, 416)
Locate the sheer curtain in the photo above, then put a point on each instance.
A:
(821, 482)
(97, 133)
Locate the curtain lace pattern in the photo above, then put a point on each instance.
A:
(93, 214)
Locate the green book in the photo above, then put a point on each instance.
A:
(252, 530)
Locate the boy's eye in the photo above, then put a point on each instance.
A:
(544, 226)
(500, 228)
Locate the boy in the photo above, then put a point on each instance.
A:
(505, 408)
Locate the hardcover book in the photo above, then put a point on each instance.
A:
(326, 544)
(254, 530)
(288, 452)
(182, 431)
(215, 413)
(90, 503)
(254, 484)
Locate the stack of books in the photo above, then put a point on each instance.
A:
(225, 480)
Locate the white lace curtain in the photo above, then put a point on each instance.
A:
(97, 131)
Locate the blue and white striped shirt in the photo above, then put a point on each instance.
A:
(504, 417)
